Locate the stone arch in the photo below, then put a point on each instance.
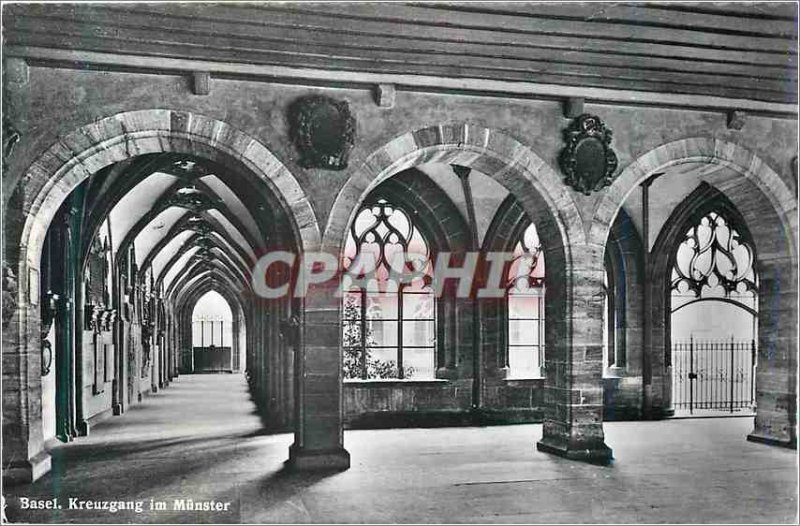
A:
(493, 152)
(777, 330)
(186, 301)
(50, 179)
(624, 263)
(549, 203)
(699, 149)
(443, 226)
(87, 150)
(506, 228)
(769, 208)
(538, 188)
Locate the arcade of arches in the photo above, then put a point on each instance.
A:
(137, 202)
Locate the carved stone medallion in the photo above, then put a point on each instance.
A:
(323, 130)
(588, 162)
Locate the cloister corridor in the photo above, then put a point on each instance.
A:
(202, 439)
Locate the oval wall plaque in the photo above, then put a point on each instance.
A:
(323, 130)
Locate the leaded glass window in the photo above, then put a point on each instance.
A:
(525, 285)
(714, 316)
(388, 331)
(714, 261)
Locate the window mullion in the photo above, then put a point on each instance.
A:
(400, 371)
(363, 334)
(540, 332)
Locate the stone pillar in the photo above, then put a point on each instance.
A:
(24, 457)
(319, 414)
(776, 372)
(574, 359)
(236, 364)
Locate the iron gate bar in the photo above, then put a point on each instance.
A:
(733, 368)
(692, 375)
(717, 374)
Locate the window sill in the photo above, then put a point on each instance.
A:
(395, 382)
(523, 380)
(613, 372)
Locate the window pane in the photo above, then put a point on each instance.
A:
(207, 334)
(382, 306)
(523, 306)
(419, 363)
(523, 361)
(196, 334)
(384, 355)
(417, 305)
(523, 332)
(382, 333)
(418, 333)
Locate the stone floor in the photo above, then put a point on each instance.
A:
(200, 439)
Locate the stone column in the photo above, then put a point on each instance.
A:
(318, 428)
(574, 359)
(24, 457)
(234, 343)
(776, 372)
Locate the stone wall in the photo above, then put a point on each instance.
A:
(73, 122)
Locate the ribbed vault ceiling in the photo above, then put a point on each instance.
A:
(191, 221)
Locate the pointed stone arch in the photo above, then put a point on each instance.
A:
(768, 206)
(550, 204)
(40, 193)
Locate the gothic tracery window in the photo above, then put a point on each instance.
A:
(388, 331)
(525, 285)
(713, 262)
(714, 316)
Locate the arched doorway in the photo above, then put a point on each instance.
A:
(714, 316)
(766, 206)
(213, 348)
(197, 191)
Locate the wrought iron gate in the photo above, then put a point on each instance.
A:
(716, 375)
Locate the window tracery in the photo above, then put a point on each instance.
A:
(714, 261)
(388, 331)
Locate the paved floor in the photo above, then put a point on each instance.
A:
(200, 439)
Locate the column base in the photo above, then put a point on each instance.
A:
(318, 460)
(82, 428)
(27, 471)
(599, 454)
(772, 441)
